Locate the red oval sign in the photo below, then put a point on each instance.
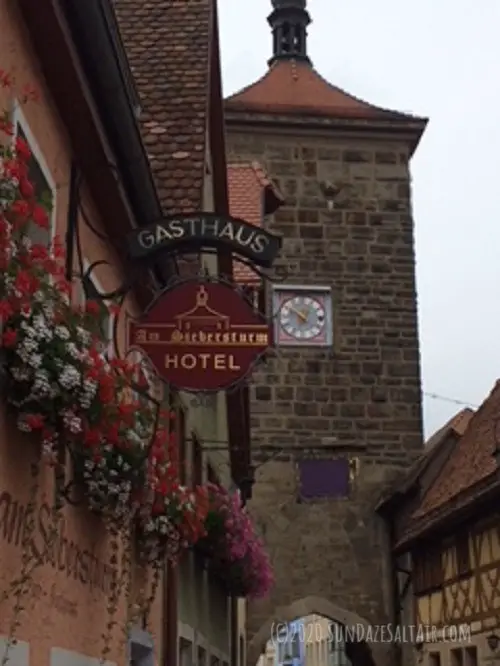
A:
(201, 336)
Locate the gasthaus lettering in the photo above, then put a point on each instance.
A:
(206, 229)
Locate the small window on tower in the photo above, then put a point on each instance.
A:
(285, 39)
(324, 479)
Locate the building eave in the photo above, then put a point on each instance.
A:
(409, 131)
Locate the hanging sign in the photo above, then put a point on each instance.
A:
(205, 230)
(201, 336)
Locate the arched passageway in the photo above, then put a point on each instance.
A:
(357, 653)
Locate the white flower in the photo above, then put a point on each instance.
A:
(70, 377)
(35, 360)
(84, 336)
(62, 332)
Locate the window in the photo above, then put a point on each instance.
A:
(141, 648)
(428, 569)
(470, 654)
(185, 652)
(40, 177)
(434, 659)
(202, 657)
(197, 462)
(324, 479)
(462, 555)
(242, 651)
(456, 657)
(212, 475)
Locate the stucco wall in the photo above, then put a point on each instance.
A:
(65, 606)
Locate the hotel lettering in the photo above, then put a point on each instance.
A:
(201, 336)
(216, 362)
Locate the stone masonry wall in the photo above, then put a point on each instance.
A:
(366, 392)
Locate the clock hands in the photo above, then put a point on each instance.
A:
(303, 317)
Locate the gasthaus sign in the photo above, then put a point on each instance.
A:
(205, 230)
(201, 336)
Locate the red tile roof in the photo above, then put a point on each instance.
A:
(248, 185)
(468, 472)
(168, 44)
(471, 461)
(457, 426)
(294, 87)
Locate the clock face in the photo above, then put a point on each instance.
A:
(302, 317)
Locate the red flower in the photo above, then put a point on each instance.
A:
(12, 169)
(20, 209)
(22, 149)
(26, 283)
(39, 252)
(5, 309)
(9, 338)
(40, 217)
(92, 307)
(106, 389)
(35, 421)
(26, 188)
(92, 438)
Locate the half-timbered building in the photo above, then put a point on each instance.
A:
(446, 543)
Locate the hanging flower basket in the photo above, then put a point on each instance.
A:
(171, 518)
(235, 553)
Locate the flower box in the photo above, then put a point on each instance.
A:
(235, 553)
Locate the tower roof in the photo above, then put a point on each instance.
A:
(292, 86)
(295, 87)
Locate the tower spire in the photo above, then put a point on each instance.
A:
(289, 20)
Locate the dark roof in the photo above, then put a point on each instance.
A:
(168, 45)
(468, 473)
(457, 425)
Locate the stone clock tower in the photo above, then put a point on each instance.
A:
(337, 414)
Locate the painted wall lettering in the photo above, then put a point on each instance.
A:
(65, 555)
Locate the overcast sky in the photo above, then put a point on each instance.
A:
(440, 59)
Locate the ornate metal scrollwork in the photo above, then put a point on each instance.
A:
(139, 273)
